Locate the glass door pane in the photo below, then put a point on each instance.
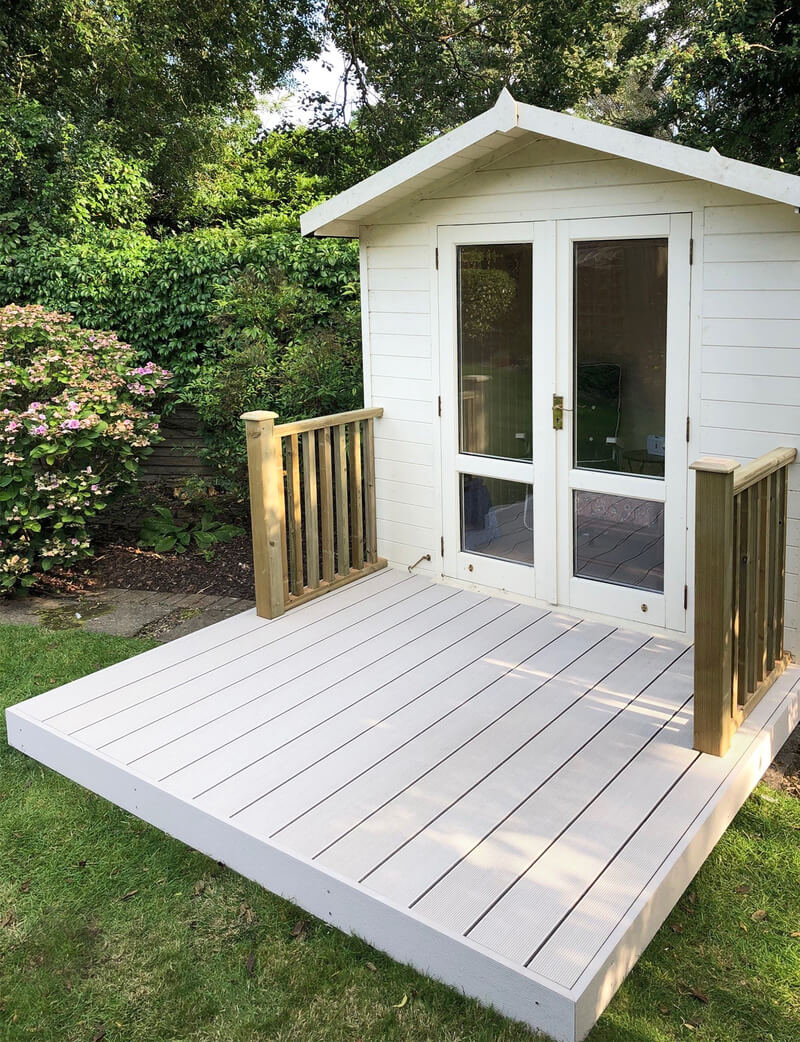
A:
(495, 419)
(495, 364)
(620, 336)
(619, 367)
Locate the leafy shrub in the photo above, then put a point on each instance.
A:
(75, 420)
(179, 300)
(285, 347)
(166, 533)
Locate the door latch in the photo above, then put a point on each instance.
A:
(558, 412)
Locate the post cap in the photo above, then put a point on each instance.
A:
(258, 416)
(715, 465)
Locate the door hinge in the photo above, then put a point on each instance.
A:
(688, 429)
(691, 251)
(441, 546)
(439, 405)
(437, 258)
(685, 598)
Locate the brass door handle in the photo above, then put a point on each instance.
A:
(558, 412)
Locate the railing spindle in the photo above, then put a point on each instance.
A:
(326, 505)
(736, 644)
(311, 522)
(294, 516)
(370, 507)
(342, 518)
(356, 495)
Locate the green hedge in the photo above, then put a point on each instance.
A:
(165, 296)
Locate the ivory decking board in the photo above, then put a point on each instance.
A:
(122, 713)
(386, 850)
(262, 758)
(196, 732)
(461, 705)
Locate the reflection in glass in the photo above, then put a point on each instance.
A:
(619, 540)
(497, 518)
(620, 301)
(495, 338)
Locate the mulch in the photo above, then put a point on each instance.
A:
(118, 562)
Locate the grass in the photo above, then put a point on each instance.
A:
(109, 929)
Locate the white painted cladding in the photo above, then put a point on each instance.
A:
(744, 375)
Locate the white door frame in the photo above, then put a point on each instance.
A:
(457, 563)
(667, 609)
(551, 474)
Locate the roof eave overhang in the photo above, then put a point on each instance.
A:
(343, 214)
(331, 217)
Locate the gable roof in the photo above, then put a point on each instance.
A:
(502, 126)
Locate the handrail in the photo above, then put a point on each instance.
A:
(317, 423)
(750, 473)
(312, 505)
(740, 566)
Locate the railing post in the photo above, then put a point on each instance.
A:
(714, 607)
(266, 512)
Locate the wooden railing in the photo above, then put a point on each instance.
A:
(312, 505)
(740, 563)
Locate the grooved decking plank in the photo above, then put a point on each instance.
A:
(146, 727)
(197, 653)
(258, 671)
(255, 735)
(521, 921)
(491, 862)
(352, 780)
(593, 919)
(390, 848)
(227, 780)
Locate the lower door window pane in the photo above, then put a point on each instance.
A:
(619, 540)
(497, 518)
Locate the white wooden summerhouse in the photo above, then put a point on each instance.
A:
(560, 549)
(654, 286)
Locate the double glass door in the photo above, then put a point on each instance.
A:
(564, 355)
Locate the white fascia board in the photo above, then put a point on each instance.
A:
(680, 159)
(502, 117)
(339, 215)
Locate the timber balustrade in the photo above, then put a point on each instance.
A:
(312, 505)
(740, 565)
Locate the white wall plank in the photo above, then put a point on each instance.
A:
(413, 280)
(397, 387)
(752, 361)
(749, 276)
(757, 304)
(400, 346)
(762, 390)
(758, 217)
(398, 257)
(751, 247)
(412, 367)
(399, 323)
(749, 332)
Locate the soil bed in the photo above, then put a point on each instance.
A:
(119, 562)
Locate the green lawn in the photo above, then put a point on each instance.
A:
(108, 929)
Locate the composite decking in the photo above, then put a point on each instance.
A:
(505, 797)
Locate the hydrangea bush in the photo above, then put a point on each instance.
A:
(75, 420)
